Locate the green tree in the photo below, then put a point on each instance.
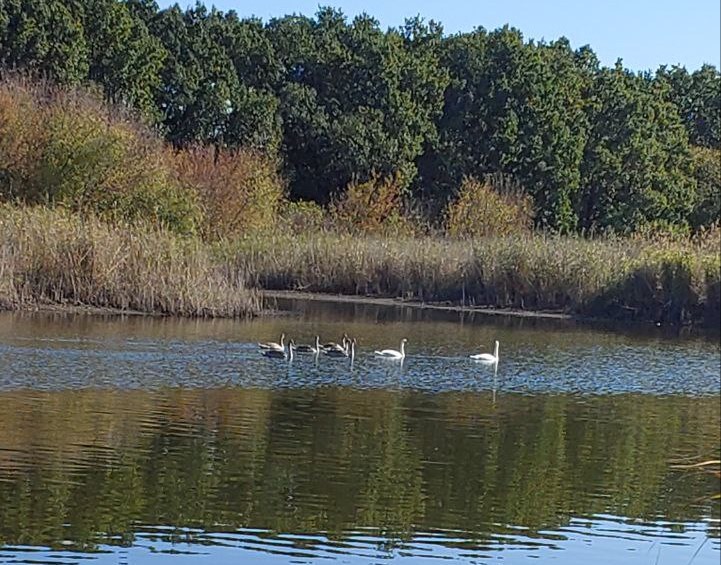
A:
(44, 36)
(199, 80)
(124, 58)
(707, 172)
(516, 109)
(698, 97)
(254, 117)
(356, 100)
(636, 168)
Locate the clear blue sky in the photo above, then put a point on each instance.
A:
(644, 33)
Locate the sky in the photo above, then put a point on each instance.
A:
(644, 33)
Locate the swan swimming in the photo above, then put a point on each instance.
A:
(349, 351)
(273, 345)
(309, 348)
(331, 345)
(280, 353)
(392, 353)
(487, 357)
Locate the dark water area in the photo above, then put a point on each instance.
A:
(140, 440)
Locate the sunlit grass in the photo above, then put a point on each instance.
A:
(51, 256)
(57, 257)
(646, 279)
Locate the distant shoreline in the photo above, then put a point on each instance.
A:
(448, 307)
(269, 310)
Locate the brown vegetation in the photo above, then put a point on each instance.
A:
(480, 210)
(147, 227)
(53, 256)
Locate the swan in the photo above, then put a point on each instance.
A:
(273, 345)
(280, 353)
(349, 350)
(333, 345)
(487, 357)
(309, 348)
(392, 353)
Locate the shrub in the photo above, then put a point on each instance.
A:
(77, 152)
(373, 207)
(240, 190)
(22, 137)
(303, 217)
(482, 210)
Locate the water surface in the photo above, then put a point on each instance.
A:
(142, 440)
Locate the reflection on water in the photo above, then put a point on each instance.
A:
(156, 440)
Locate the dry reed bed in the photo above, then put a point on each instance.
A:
(640, 279)
(51, 256)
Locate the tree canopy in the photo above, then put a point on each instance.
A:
(343, 101)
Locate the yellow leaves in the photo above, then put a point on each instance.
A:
(241, 191)
(373, 206)
(480, 210)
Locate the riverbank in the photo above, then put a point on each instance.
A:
(674, 282)
(50, 257)
(270, 295)
(58, 259)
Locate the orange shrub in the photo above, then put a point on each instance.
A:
(373, 206)
(240, 190)
(481, 210)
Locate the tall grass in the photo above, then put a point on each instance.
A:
(52, 256)
(653, 280)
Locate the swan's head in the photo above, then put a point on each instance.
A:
(404, 340)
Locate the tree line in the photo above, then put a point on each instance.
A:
(341, 100)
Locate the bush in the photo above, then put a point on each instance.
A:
(372, 207)
(240, 190)
(67, 148)
(481, 210)
(22, 138)
(303, 217)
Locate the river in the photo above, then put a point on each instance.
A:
(134, 440)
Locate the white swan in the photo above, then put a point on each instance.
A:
(280, 353)
(392, 353)
(343, 346)
(309, 348)
(273, 345)
(487, 357)
(349, 351)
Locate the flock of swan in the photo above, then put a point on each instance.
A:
(346, 349)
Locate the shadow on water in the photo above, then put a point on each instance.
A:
(161, 440)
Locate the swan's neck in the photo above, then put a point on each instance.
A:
(282, 337)
(495, 351)
(403, 348)
(352, 350)
(290, 352)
